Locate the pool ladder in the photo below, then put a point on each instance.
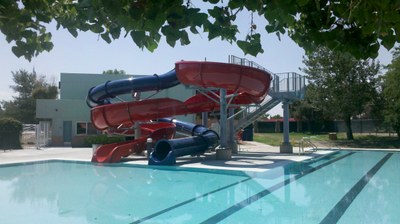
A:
(307, 140)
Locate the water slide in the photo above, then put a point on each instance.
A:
(112, 153)
(247, 84)
(166, 151)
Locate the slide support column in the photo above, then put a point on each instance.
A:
(231, 132)
(286, 147)
(223, 118)
(138, 133)
(204, 119)
(223, 153)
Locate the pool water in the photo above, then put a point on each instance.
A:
(342, 187)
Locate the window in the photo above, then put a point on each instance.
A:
(91, 130)
(85, 128)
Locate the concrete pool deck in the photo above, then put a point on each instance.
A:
(252, 156)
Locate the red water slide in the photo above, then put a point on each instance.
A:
(250, 85)
(112, 153)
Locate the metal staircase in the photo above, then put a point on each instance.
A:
(285, 87)
(250, 114)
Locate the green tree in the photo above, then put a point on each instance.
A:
(114, 72)
(305, 111)
(28, 87)
(359, 27)
(301, 110)
(1, 109)
(23, 110)
(339, 85)
(25, 82)
(266, 116)
(391, 93)
(276, 116)
(45, 92)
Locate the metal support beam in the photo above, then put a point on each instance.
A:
(204, 119)
(231, 132)
(223, 118)
(286, 147)
(138, 132)
(224, 152)
(286, 122)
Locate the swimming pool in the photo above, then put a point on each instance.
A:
(342, 187)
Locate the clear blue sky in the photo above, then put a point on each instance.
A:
(88, 53)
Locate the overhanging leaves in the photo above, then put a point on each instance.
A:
(358, 27)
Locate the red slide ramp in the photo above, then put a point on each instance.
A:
(112, 153)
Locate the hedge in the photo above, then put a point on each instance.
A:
(10, 133)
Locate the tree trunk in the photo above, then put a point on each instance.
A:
(299, 126)
(349, 132)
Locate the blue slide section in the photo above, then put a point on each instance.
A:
(101, 94)
(166, 151)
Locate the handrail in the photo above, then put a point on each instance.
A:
(284, 86)
(248, 115)
(307, 140)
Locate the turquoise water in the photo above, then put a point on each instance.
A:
(343, 187)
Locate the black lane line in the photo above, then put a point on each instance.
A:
(188, 201)
(219, 189)
(229, 211)
(340, 208)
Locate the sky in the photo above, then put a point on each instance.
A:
(88, 53)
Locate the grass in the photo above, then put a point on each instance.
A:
(360, 140)
(275, 139)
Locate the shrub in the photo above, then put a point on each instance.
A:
(10, 133)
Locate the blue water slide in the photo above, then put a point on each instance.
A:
(101, 94)
(166, 151)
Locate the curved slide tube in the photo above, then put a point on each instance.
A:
(101, 94)
(166, 151)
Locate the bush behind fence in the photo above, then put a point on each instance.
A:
(10, 133)
(368, 126)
